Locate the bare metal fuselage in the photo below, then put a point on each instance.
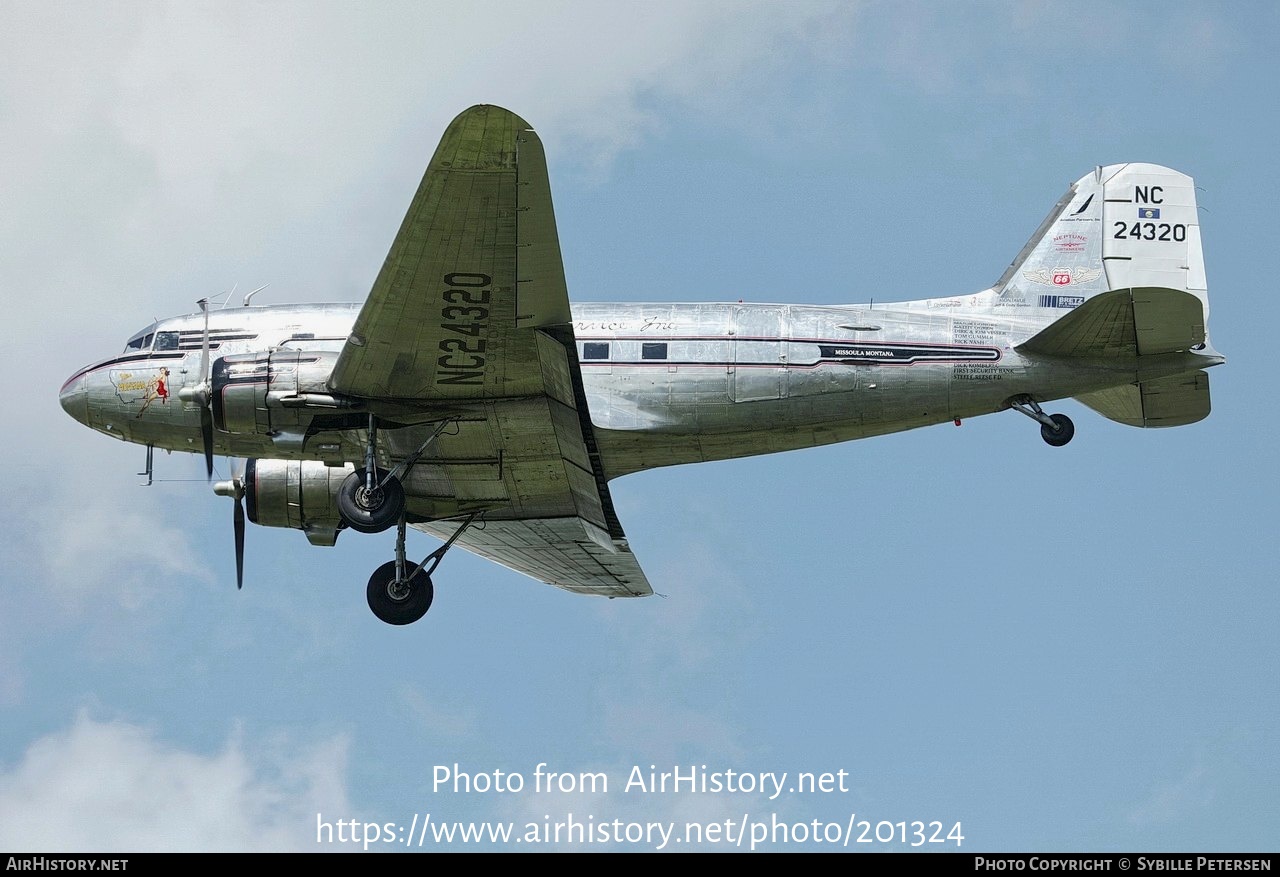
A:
(664, 383)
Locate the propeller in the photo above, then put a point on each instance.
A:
(235, 489)
(201, 394)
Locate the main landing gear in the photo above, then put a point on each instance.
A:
(371, 500)
(398, 594)
(1055, 429)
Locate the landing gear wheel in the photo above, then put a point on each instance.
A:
(1061, 431)
(399, 602)
(370, 511)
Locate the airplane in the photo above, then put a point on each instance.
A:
(467, 399)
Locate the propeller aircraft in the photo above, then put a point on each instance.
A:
(467, 399)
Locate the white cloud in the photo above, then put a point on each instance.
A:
(213, 92)
(89, 543)
(127, 549)
(113, 786)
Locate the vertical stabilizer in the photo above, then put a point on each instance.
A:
(1122, 226)
(1061, 265)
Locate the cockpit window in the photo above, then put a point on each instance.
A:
(166, 341)
(142, 342)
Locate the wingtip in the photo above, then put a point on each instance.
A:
(485, 110)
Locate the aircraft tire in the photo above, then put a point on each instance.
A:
(366, 512)
(1062, 434)
(405, 610)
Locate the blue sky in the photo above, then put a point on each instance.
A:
(1068, 649)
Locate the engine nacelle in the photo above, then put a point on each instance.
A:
(267, 393)
(301, 494)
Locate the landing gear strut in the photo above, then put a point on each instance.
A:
(371, 499)
(398, 594)
(1055, 429)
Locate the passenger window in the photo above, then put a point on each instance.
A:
(595, 350)
(654, 350)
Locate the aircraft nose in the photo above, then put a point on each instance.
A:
(75, 398)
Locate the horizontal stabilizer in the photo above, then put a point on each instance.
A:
(1145, 321)
(1174, 401)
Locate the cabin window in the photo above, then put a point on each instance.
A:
(595, 350)
(654, 350)
(166, 341)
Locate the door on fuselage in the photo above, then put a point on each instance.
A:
(759, 369)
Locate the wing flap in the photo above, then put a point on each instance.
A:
(557, 370)
(559, 551)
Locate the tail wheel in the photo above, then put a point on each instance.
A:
(1060, 433)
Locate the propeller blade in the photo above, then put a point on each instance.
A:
(235, 489)
(238, 521)
(206, 435)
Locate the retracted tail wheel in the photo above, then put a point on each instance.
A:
(370, 511)
(1061, 431)
(399, 602)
